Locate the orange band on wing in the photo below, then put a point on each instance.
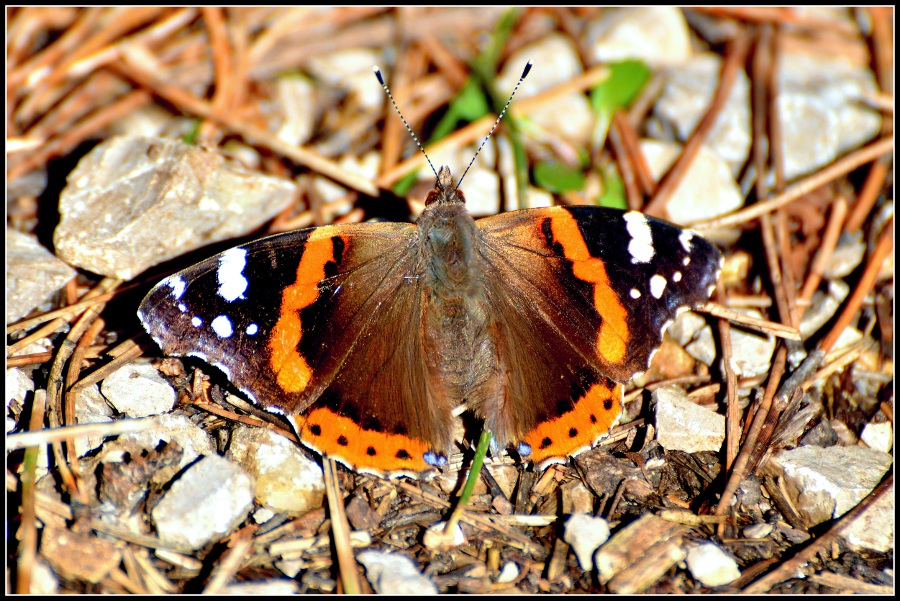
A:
(343, 439)
(612, 339)
(292, 371)
(592, 417)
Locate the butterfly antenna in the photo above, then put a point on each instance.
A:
(525, 71)
(408, 128)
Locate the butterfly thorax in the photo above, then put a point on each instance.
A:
(451, 264)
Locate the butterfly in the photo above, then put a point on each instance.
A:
(369, 336)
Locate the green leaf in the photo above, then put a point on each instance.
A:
(614, 190)
(405, 184)
(618, 91)
(469, 104)
(476, 98)
(558, 177)
(485, 64)
(191, 135)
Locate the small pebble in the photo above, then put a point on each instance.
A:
(585, 533)
(712, 566)
(394, 574)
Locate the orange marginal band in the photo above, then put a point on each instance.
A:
(612, 339)
(292, 371)
(343, 439)
(592, 417)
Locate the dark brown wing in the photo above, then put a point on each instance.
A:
(319, 324)
(579, 298)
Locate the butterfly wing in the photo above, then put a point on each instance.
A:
(580, 298)
(325, 316)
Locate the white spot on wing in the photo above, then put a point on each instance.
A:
(641, 246)
(685, 238)
(687, 261)
(279, 411)
(676, 276)
(182, 307)
(657, 285)
(176, 284)
(252, 397)
(662, 332)
(635, 293)
(221, 325)
(252, 329)
(196, 321)
(199, 355)
(232, 283)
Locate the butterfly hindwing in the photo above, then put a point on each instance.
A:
(381, 412)
(548, 395)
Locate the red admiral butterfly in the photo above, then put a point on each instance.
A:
(368, 336)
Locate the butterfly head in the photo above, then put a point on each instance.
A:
(444, 191)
